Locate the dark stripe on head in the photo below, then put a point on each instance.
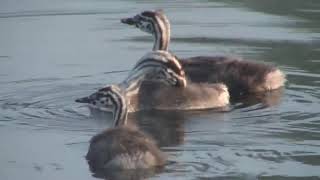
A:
(149, 61)
(150, 14)
(149, 71)
(149, 64)
(162, 61)
(153, 18)
(165, 58)
(152, 63)
(114, 94)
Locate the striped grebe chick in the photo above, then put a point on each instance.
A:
(155, 95)
(122, 147)
(240, 76)
(156, 66)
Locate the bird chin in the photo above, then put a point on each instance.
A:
(102, 108)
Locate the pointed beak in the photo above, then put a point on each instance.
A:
(131, 20)
(83, 100)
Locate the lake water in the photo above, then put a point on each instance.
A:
(52, 52)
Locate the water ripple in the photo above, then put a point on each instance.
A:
(20, 14)
(266, 136)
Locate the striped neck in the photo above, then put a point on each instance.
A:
(161, 33)
(155, 23)
(164, 58)
(148, 70)
(155, 66)
(117, 99)
(136, 77)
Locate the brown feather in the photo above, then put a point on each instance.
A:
(241, 77)
(121, 140)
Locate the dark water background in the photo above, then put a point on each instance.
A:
(52, 52)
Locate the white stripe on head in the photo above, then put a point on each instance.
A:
(161, 28)
(149, 70)
(160, 55)
(115, 95)
(158, 66)
(141, 73)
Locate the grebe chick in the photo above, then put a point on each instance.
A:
(240, 76)
(154, 95)
(158, 67)
(122, 147)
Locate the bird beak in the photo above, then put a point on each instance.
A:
(130, 20)
(83, 100)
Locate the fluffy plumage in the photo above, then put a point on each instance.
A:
(157, 95)
(122, 147)
(241, 77)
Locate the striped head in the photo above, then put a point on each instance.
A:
(155, 23)
(110, 98)
(159, 66)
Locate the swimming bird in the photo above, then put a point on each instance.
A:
(122, 147)
(240, 76)
(145, 94)
(156, 66)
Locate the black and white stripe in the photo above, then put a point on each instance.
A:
(158, 66)
(162, 56)
(114, 94)
(154, 66)
(160, 30)
(212, 69)
(110, 98)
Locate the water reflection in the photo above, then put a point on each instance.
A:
(167, 128)
(267, 99)
(127, 175)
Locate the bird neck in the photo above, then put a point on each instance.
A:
(145, 69)
(120, 112)
(136, 76)
(161, 36)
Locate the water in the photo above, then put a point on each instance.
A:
(52, 52)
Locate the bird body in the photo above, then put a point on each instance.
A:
(195, 96)
(240, 76)
(169, 92)
(122, 147)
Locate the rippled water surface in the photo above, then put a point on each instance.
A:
(52, 52)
